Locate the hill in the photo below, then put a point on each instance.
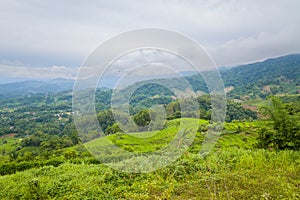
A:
(259, 79)
(276, 75)
(234, 170)
(35, 87)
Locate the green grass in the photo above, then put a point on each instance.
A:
(235, 169)
(142, 141)
(154, 140)
(255, 102)
(228, 174)
(120, 149)
(239, 134)
(263, 102)
(7, 145)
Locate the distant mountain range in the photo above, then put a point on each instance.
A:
(282, 73)
(34, 87)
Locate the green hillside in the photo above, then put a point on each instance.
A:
(275, 75)
(260, 79)
(232, 173)
(235, 168)
(256, 80)
(256, 154)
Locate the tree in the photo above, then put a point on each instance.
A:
(142, 118)
(113, 129)
(285, 133)
(105, 119)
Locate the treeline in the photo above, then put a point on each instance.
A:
(201, 106)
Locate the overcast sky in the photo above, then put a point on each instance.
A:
(50, 39)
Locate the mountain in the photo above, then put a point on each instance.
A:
(272, 76)
(270, 71)
(34, 87)
(260, 79)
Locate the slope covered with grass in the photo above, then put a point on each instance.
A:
(229, 174)
(235, 169)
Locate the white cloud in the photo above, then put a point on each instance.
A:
(37, 72)
(259, 47)
(234, 31)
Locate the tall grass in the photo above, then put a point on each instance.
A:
(232, 173)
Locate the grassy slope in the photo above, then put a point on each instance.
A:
(229, 172)
(147, 141)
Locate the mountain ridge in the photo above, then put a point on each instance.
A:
(283, 71)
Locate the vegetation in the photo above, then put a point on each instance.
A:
(232, 173)
(224, 174)
(255, 157)
(285, 133)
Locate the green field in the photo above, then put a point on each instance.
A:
(229, 174)
(47, 166)
(235, 169)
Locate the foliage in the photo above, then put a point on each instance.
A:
(106, 119)
(113, 129)
(40, 148)
(234, 111)
(285, 133)
(142, 118)
(229, 174)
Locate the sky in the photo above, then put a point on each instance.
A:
(50, 39)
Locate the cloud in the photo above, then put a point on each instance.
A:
(64, 33)
(37, 72)
(263, 45)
